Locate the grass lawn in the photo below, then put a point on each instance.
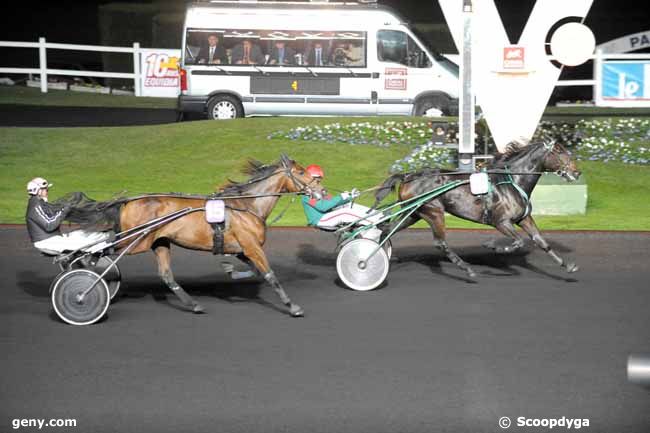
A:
(195, 157)
(65, 98)
(33, 96)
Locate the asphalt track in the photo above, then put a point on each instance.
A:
(51, 116)
(430, 351)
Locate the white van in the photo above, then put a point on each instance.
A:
(309, 58)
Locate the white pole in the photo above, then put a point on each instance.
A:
(136, 69)
(598, 78)
(42, 63)
(466, 100)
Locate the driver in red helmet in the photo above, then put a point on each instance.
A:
(330, 212)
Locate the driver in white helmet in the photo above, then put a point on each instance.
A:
(329, 213)
(44, 219)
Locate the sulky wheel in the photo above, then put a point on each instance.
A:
(67, 301)
(388, 247)
(357, 269)
(113, 278)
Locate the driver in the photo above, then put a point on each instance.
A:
(328, 213)
(44, 219)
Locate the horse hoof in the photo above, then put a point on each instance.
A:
(197, 309)
(296, 311)
(490, 245)
(572, 267)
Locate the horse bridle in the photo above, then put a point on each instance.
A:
(300, 186)
(550, 147)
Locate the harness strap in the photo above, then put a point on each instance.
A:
(522, 193)
(218, 238)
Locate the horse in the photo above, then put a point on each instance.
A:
(513, 176)
(245, 231)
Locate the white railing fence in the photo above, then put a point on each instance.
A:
(598, 58)
(42, 45)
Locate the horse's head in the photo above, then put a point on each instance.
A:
(297, 179)
(559, 160)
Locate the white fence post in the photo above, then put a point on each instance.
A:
(42, 63)
(136, 68)
(598, 79)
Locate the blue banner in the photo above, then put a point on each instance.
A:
(626, 81)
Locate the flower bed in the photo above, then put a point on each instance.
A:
(625, 140)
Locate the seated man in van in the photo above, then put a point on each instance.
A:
(317, 55)
(214, 53)
(44, 220)
(345, 55)
(281, 54)
(247, 53)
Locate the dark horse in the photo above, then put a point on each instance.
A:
(245, 230)
(506, 205)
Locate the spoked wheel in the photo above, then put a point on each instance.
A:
(358, 269)
(68, 302)
(388, 247)
(113, 277)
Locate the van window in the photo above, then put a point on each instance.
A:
(398, 47)
(275, 48)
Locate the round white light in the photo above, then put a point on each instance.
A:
(572, 44)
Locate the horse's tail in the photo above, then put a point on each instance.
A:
(91, 214)
(387, 187)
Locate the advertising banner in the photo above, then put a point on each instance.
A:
(159, 72)
(624, 84)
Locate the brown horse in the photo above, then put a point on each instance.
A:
(508, 204)
(245, 231)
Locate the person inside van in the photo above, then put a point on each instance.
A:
(213, 53)
(344, 55)
(247, 53)
(317, 55)
(281, 54)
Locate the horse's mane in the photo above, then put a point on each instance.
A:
(256, 170)
(515, 150)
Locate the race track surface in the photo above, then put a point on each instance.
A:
(54, 116)
(430, 351)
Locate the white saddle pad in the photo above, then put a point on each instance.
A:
(479, 183)
(215, 211)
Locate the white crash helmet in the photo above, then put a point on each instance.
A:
(36, 184)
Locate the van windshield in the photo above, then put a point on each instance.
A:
(437, 56)
(275, 48)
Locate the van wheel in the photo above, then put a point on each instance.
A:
(433, 106)
(224, 107)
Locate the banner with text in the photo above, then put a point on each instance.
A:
(159, 72)
(624, 84)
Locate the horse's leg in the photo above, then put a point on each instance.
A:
(435, 217)
(510, 231)
(253, 250)
(386, 228)
(529, 226)
(163, 256)
(229, 269)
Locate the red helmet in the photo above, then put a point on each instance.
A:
(315, 171)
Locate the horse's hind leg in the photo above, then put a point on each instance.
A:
(509, 230)
(163, 256)
(253, 250)
(529, 226)
(435, 217)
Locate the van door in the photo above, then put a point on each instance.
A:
(405, 71)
